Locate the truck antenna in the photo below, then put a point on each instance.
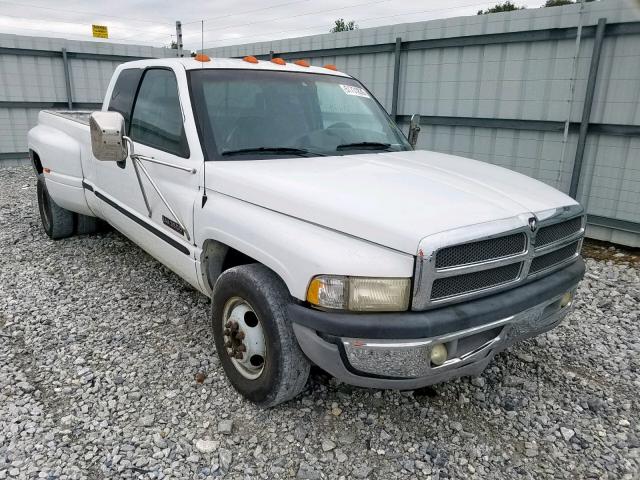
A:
(204, 163)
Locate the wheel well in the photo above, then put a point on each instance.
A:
(35, 161)
(217, 257)
(233, 258)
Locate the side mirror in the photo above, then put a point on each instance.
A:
(414, 129)
(107, 132)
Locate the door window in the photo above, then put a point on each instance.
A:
(157, 116)
(124, 91)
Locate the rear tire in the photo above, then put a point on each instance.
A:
(57, 222)
(86, 224)
(281, 371)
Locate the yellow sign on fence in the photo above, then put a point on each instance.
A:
(100, 31)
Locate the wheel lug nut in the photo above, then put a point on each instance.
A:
(228, 344)
(242, 348)
(240, 335)
(239, 355)
(228, 324)
(227, 332)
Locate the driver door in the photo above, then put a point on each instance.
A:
(163, 223)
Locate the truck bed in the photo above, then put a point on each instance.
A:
(80, 116)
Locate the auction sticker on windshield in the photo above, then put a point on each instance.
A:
(357, 91)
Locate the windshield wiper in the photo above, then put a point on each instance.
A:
(273, 150)
(364, 146)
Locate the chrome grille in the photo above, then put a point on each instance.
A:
(484, 250)
(472, 282)
(486, 258)
(554, 258)
(558, 231)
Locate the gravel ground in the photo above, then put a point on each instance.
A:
(108, 370)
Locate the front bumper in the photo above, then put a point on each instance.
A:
(393, 350)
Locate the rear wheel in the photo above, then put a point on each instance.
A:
(253, 335)
(57, 222)
(86, 224)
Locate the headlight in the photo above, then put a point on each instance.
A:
(360, 293)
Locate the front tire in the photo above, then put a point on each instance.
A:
(254, 338)
(57, 221)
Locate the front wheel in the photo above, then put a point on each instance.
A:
(254, 338)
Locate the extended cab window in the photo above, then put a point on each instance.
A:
(124, 91)
(157, 117)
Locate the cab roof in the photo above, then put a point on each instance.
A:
(190, 63)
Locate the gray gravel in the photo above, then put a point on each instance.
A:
(102, 350)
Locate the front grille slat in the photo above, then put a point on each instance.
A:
(472, 282)
(551, 259)
(558, 231)
(475, 252)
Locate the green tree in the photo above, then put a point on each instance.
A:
(501, 7)
(342, 26)
(557, 3)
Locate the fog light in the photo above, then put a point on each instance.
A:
(566, 299)
(438, 354)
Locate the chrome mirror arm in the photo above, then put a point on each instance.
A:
(164, 200)
(170, 165)
(137, 166)
(129, 146)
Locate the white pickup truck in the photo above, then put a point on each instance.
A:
(285, 193)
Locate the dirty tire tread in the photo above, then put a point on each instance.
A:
(61, 223)
(87, 224)
(262, 285)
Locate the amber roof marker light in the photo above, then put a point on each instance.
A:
(331, 67)
(302, 63)
(201, 57)
(250, 59)
(278, 61)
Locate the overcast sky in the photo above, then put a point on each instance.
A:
(226, 22)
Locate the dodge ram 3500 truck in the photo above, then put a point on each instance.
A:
(286, 194)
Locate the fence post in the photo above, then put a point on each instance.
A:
(67, 78)
(586, 109)
(396, 78)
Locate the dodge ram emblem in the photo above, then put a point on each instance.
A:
(533, 224)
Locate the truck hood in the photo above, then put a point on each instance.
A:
(393, 199)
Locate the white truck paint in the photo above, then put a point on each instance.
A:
(383, 212)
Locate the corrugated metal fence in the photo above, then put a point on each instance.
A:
(38, 73)
(502, 88)
(553, 93)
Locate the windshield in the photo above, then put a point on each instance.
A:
(245, 114)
